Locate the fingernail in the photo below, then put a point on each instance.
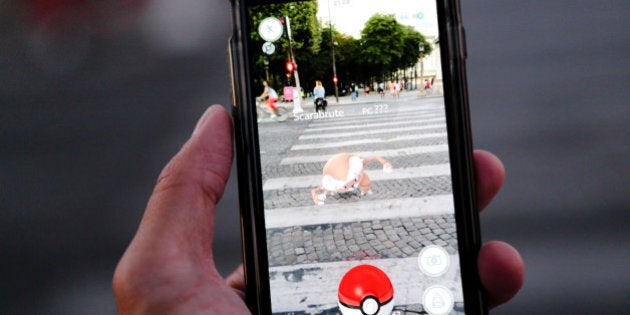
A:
(202, 121)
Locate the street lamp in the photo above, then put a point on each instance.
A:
(333, 44)
(266, 63)
(421, 50)
(415, 76)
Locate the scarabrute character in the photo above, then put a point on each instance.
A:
(344, 172)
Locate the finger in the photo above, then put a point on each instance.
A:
(183, 202)
(236, 280)
(490, 174)
(501, 270)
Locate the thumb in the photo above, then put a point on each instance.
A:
(183, 203)
(171, 254)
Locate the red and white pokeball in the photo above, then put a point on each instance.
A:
(366, 290)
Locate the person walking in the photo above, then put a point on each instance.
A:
(319, 96)
(272, 98)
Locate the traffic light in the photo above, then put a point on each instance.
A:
(290, 66)
(335, 79)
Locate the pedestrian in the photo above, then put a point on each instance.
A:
(271, 98)
(395, 88)
(319, 96)
(381, 89)
(392, 88)
(353, 91)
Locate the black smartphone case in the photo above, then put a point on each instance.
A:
(453, 56)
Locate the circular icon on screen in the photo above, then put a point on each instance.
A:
(366, 290)
(434, 260)
(270, 29)
(269, 48)
(438, 300)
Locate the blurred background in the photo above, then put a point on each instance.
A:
(95, 97)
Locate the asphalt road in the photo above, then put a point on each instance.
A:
(86, 125)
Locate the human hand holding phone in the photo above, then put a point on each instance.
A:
(169, 266)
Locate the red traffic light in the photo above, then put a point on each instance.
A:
(290, 66)
(335, 79)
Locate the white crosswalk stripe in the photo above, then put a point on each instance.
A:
(326, 145)
(366, 121)
(363, 132)
(372, 125)
(383, 153)
(359, 211)
(315, 180)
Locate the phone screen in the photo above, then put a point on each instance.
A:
(354, 157)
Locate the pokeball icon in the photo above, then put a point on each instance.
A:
(366, 290)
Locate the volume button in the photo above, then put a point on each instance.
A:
(458, 12)
(464, 48)
(233, 75)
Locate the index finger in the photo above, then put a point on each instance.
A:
(489, 174)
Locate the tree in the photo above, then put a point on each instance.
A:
(305, 32)
(412, 41)
(387, 46)
(382, 41)
(348, 61)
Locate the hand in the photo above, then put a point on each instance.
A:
(500, 266)
(387, 167)
(169, 267)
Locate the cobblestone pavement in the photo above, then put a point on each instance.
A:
(311, 246)
(395, 238)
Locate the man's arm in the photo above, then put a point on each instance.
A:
(386, 164)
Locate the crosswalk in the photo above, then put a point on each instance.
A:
(407, 137)
(407, 151)
(413, 139)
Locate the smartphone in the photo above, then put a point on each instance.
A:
(354, 157)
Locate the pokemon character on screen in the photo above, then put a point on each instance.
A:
(366, 290)
(344, 172)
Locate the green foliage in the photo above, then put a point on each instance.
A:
(347, 56)
(388, 45)
(413, 40)
(305, 32)
(382, 43)
(385, 46)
